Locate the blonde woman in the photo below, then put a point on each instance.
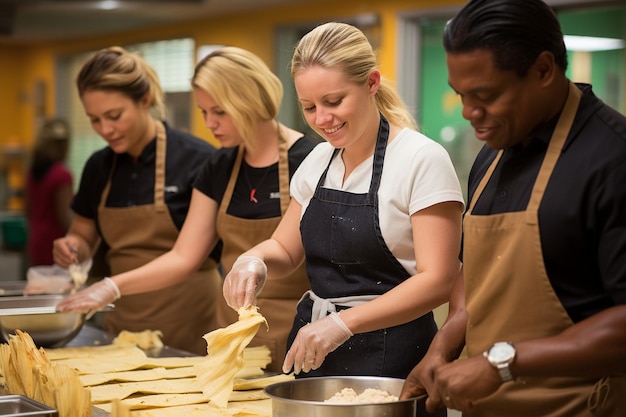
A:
(240, 194)
(133, 198)
(376, 210)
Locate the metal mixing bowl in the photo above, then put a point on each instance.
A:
(36, 315)
(305, 397)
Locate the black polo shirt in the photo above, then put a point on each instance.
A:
(582, 216)
(132, 182)
(213, 179)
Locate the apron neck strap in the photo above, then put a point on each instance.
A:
(159, 167)
(159, 171)
(559, 136)
(283, 174)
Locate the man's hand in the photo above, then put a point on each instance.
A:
(421, 380)
(460, 383)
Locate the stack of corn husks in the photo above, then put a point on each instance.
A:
(122, 380)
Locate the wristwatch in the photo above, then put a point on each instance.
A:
(500, 355)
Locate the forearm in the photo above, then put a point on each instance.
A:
(444, 349)
(594, 347)
(406, 302)
(450, 339)
(164, 271)
(279, 262)
(412, 299)
(173, 267)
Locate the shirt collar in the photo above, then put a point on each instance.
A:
(588, 104)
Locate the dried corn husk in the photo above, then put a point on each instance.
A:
(225, 346)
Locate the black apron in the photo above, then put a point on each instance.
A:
(347, 258)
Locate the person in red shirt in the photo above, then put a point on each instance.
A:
(48, 191)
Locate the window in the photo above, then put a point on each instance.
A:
(173, 61)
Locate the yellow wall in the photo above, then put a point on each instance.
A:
(21, 67)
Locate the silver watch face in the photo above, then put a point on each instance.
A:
(501, 352)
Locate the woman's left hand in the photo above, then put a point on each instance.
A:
(314, 341)
(92, 298)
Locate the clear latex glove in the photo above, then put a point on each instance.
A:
(314, 341)
(244, 282)
(91, 299)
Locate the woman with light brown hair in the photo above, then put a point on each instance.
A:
(133, 198)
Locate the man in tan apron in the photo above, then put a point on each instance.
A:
(512, 298)
(278, 300)
(506, 261)
(136, 235)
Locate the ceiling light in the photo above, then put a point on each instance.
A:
(591, 44)
(108, 5)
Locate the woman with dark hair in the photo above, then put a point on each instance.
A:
(48, 191)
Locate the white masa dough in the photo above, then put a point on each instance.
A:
(368, 396)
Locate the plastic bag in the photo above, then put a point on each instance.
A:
(50, 279)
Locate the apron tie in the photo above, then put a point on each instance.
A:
(324, 306)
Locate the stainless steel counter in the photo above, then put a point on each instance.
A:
(90, 336)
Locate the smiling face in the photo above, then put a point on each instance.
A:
(340, 111)
(124, 124)
(503, 108)
(217, 120)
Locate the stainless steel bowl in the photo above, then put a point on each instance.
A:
(37, 316)
(305, 397)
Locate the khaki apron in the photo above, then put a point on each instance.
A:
(277, 302)
(136, 235)
(509, 298)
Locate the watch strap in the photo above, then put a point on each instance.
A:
(505, 372)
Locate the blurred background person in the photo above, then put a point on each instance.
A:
(134, 196)
(48, 191)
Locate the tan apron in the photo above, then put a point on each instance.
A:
(136, 235)
(509, 298)
(277, 302)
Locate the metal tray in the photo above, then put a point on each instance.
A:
(34, 304)
(21, 406)
(97, 412)
(12, 288)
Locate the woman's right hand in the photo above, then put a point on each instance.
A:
(245, 281)
(65, 250)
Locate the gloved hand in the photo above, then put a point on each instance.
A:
(244, 281)
(314, 341)
(92, 298)
(64, 251)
